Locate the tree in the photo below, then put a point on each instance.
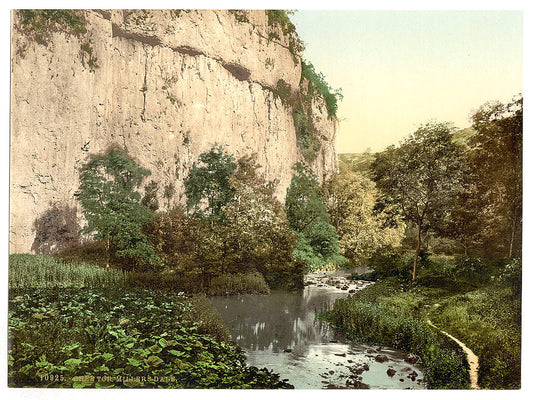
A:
(111, 206)
(425, 175)
(496, 163)
(149, 200)
(363, 229)
(207, 186)
(318, 243)
(257, 232)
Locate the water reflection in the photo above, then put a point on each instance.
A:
(281, 332)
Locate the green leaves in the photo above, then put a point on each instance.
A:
(111, 205)
(318, 243)
(207, 186)
(154, 349)
(425, 175)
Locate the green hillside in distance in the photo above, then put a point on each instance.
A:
(360, 162)
(356, 162)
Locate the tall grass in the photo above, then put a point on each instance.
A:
(43, 271)
(240, 283)
(384, 315)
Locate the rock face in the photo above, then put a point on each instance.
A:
(164, 85)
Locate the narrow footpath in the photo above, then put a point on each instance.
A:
(471, 357)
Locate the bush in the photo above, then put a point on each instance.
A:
(207, 318)
(240, 283)
(40, 23)
(385, 265)
(318, 83)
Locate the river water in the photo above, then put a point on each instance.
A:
(280, 332)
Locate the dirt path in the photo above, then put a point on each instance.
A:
(471, 357)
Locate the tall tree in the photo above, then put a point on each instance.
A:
(207, 186)
(425, 175)
(496, 161)
(111, 205)
(318, 243)
(363, 230)
(256, 230)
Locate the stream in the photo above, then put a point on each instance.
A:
(280, 332)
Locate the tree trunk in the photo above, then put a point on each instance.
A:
(513, 233)
(418, 246)
(107, 246)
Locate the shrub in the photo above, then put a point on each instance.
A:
(318, 83)
(56, 230)
(318, 243)
(207, 318)
(240, 283)
(386, 265)
(41, 22)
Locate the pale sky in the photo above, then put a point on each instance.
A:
(400, 69)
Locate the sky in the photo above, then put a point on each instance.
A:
(400, 69)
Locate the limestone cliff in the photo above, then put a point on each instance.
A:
(165, 85)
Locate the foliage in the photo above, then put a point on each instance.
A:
(115, 338)
(318, 243)
(317, 82)
(425, 176)
(190, 250)
(239, 283)
(111, 206)
(256, 230)
(496, 164)
(366, 317)
(306, 133)
(390, 264)
(281, 18)
(454, 295)
(250, 232)
(488, 320)
(88, 51)
(350, 199)
(43, 271)
(149, 200)
(240, 16)
(41, 22)
(207, 186)
(206, 318)
(358, 163)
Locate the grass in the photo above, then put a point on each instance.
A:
(458, 297)
(43, 271)
(385, 315)
(488, 321)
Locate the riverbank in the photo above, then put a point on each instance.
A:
(486, 320)
(281, 332)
